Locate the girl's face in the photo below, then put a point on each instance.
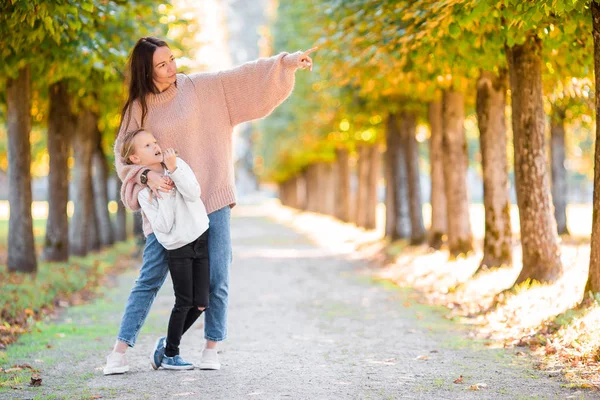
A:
(146, 150)
(164, 69)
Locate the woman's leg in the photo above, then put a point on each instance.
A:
(152, 276)
(219, 254)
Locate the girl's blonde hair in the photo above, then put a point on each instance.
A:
(127, 145)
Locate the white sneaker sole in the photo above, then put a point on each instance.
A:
(176, 368)
(207, 366)
(116, 370)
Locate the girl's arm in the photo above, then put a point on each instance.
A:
(186, 181)
(160, 213)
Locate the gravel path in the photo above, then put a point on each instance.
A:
(305, 322)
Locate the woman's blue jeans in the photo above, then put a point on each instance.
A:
(154, 272)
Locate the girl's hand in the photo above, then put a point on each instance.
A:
(170, 159)
(159, 183)
(305, 60)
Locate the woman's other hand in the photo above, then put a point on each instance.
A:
(305, 60)
(159, 183)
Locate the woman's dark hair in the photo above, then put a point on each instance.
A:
(140, 75)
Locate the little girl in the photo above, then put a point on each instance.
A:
(180, 223)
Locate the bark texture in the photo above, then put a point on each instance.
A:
(439, 220)
(120, 226)
(560, 187)
(491, 104)
(454, 145)
(328, 188)
(83, 217)
(61, 125)
(408, 130)
(593, 281)
(372, 181)
(100, 187)
(539, 238)
(21, 249)
(312, 188)
(342, 192)
(397, 225)
(362, 193)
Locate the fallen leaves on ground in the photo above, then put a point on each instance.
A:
(478, 386)
(19, 289)
(546, 319)
(36, 380)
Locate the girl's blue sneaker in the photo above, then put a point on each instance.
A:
(158, 352)
(175, 362)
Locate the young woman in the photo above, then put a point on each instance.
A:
(195, 114)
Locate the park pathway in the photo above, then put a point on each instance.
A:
(306, 322)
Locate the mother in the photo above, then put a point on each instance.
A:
(196, 115)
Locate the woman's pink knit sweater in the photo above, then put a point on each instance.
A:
(197, 117)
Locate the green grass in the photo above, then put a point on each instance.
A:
(27, 294)
(79, 333)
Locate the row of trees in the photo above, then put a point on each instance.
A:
(385, 66)
(62, 74)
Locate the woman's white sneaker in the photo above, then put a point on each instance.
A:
(116, 363)
(210, 360)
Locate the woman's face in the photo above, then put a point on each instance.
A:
(164, 70)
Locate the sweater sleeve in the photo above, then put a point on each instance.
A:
(129, 174)
(254, 89)
(186, 181)
(160, 213)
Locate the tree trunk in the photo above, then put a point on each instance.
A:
(83, 216)
(61, 124)
(100, 187)
(327, 188)
(21, 246)
(342, 181)
(593, 281)
(456, 159)
(121, 219)
(138, 225)
(491, 104)
(93, 229)
(302, 195)
(312, 188)
(560, 186)
(539, 238)
(408, 130)
(372, 181)
(322, 187)
(396, 193)
(392, 143)
(291, 188)
(362, 166)
(281, 194)
(439, 222)
(138, 233)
